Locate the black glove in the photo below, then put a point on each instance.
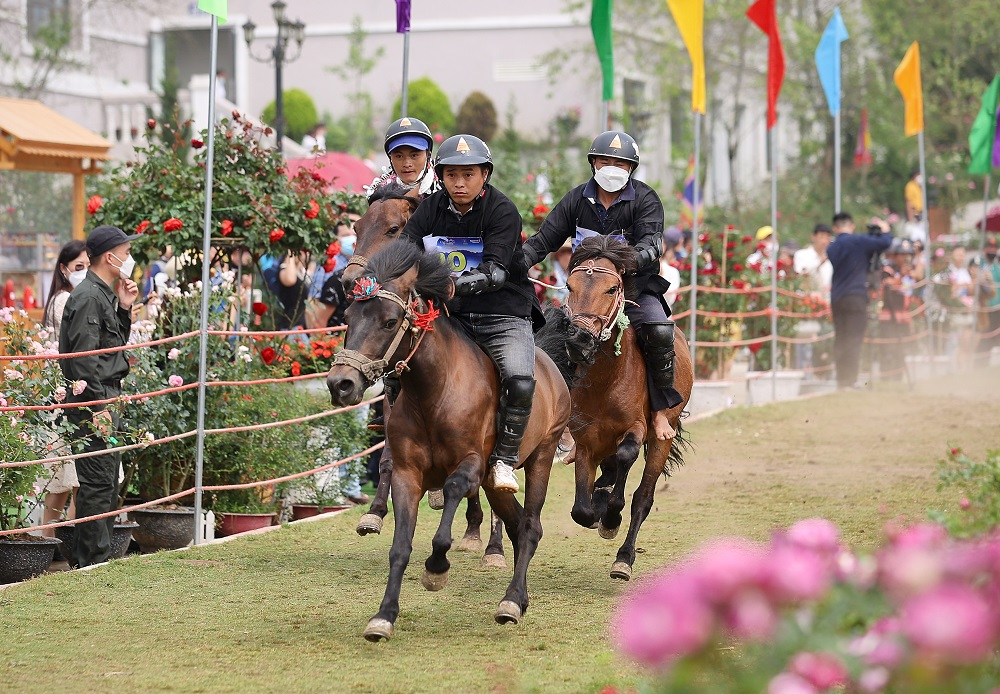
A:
(646, 256)
(471, 282)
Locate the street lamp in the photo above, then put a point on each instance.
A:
(278, 55)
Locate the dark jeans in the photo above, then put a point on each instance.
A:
(98, 491)
(650, 309)
(508, 340)
(850, 318)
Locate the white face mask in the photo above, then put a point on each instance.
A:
(128, 265)
(611, 178)
(76, 277)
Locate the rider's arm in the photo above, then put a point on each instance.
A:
(647, 228)
(558, 226)
(501, 239)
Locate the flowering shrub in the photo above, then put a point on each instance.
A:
(26, 434)
(808, 615)
(978, 493)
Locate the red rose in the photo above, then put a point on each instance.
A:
(267, 355)
(333, 249)
(746, 239)
(151, 123)
(540, 211)
(172, 224)
(313, 210)
(94, 204)
(296, 368)
(259, 307)
(737, 267)
(143, 225)
(227, 227)
(277, 235)
(342, 206)
(329, 264)
(196, 143)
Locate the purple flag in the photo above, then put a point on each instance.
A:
(996, 144)
(402, 16)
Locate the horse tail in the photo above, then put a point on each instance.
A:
(552, 339)
(680, 445)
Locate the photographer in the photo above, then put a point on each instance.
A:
(851, 256)
(894, 317)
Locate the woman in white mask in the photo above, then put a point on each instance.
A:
(613, 203)
(71, 268)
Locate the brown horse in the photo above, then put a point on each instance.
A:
(389, 210)
(442, 427)
(611, 414)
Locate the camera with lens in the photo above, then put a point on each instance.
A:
(875, 230)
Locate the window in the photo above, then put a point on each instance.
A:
(49, 16)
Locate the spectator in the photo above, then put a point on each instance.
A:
(938, 299)
(851, 256)
(155, 269)
(914, 227)
(293, 289)
(895, 316)
(314, 141)
(330, 301)
(811, 262)
(962, 301)
(918, 268)
(760, 259)
(989, 312)
(221, 92)
(668, 259)
(98, 316)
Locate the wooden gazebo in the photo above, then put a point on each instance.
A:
(33, 137)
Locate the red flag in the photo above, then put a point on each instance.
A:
(863, 152)
(762, 13)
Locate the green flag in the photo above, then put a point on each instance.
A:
(600, 25)
(220, 8)
(984, 128)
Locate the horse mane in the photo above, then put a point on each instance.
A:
(394, 191)
(552, 339)
(621, 255)
(395, 259)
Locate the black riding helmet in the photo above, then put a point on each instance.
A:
(409, 131)
(617, 145)
(463, 150)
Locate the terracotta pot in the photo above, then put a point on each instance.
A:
(23, 559)
(236, 523)
(121, 536)
(300, 511)
(163, 528)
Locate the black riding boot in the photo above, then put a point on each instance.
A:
(512, 421)
(658, 346)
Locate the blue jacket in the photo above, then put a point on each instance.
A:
(849, 255)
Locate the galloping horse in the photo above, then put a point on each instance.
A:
(389, 210)
(443, 423)
(611, 414)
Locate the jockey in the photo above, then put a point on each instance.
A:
(408, 144)
(612, 202)
(495, 302)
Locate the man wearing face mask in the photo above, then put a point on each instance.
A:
(614, 203)
(98, 316)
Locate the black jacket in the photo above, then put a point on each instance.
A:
(495, 219)
(637, 215)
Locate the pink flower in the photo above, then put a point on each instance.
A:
(790, 683)
(822, 670)
(797, 574)
(873, 680)
(750, 616)
(906, 571)
(59, 394)
(175, 381)
(728, 566)
(817, 534)
(964, 503)
(951, 622)
(173, 354)
(79, 387)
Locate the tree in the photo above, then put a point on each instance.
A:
(299, 113)
(477, 116)
(354, 131)
(427, 102)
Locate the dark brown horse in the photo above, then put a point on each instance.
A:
(611, 415)
(389, 210)
(442, 427)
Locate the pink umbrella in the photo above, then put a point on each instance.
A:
(342, 171)
(992, 220)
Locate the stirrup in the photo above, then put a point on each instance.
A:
(502, 478)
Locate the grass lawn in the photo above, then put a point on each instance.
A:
(284, 611)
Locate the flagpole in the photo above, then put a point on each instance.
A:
(836, 162)
(774, 263)
(206, 288)
(692, 336)
(406, 74)
(923, 194)
(982, 239)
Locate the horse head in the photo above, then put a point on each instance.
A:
(389, 210)
(395, 301)
(599, 284)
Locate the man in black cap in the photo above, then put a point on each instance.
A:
(98, 316)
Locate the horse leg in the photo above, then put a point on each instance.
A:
(371, 522)
(642, 501)
(604, 485)
(471, 541)
(494, 550)
(515, 603)
(456, 487)
(406, 493)
(625, 456)
(583, 509)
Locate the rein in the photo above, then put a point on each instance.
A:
(601, 326)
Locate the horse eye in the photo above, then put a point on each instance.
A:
(393, 230)
(612, 291)
(389, 324)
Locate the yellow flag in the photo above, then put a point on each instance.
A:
(690, 18)
(907, 78)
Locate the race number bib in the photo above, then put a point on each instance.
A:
(582, 233)
(457, 252)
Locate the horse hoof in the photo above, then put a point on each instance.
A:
(621, 571)
(434, 582)
(508, 612)
(607, 533)
(470, 544)
(435, 499)
(378, 629)
(494, 561)
(593, 526)
(369, 524)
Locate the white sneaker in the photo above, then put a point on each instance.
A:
(502, 478)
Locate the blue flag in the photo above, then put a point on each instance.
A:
(828, 60)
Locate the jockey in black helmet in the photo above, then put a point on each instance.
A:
(408, 144)
(495, 302)
(612, 202)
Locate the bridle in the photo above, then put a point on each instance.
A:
(600, 326)
(413, 322)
